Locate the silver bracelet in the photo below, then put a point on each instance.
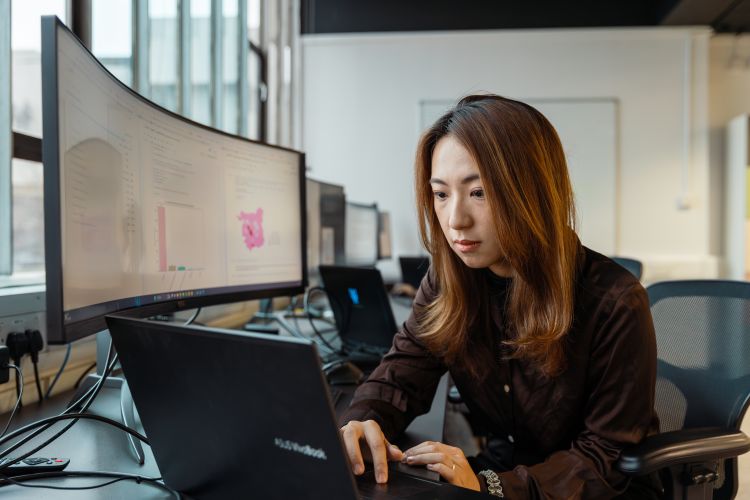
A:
(494, 486)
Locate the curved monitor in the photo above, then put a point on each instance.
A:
(147, 212)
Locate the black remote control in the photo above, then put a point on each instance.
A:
(32, 465)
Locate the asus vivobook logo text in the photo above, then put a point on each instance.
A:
(307, 450)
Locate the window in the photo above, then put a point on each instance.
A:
(163, 53)
(112, 36)
(27, 226)
(205, 59)
(200, 60)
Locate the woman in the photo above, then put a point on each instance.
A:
(550, 344)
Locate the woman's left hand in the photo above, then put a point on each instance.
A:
(448, 461)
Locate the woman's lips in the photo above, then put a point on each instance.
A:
(466, 246)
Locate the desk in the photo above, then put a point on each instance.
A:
(94, 446)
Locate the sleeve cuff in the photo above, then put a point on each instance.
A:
(388, 417)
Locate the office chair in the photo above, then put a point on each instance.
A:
(702, 390)
(632, 265)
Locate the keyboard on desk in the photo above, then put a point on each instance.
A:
(403, 485)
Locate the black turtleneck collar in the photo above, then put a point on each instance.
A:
(497, 284)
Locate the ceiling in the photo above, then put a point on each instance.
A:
(355, 16)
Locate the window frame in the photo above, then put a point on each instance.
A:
(22, 146)
(6, 140)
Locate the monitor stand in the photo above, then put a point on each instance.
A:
(127, 408)
(271, 318)
(266, 316)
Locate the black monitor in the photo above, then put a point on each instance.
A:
(385, 247)
(333, 220)
(414, 269)
(361, 234)
(326, 212)
(147, 212)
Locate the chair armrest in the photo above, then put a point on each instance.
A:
(682, 447)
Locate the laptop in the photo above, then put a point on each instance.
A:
(362, 310)
(231, 414)
(413, 269)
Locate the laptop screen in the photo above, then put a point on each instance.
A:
(360, 306)
(213, 401)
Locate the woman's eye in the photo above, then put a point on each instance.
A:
(478, 193)
(440, 195)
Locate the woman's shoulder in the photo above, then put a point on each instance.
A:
(601, 278)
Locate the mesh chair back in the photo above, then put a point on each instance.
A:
(634, 266)
(703, 342)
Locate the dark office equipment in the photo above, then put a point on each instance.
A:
(149, 212)
(326, 214)
(632, 265)
(212, 441)
(333, 220)
(703, 388)
(361, 309)
(343, 372)
(413, 269)
(361, 246)
(34, 465)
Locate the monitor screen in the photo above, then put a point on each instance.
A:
(326, 212)
(384, 235)
(361, 234)
(313, 226)
(148, 212)
(332, 224)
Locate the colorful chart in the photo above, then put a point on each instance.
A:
(252, 228)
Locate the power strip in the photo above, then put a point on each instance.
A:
(22, 308)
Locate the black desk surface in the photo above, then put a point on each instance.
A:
(94, 446)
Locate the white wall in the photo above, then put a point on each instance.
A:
(729, 97)
(360, 120)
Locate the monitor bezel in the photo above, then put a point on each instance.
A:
(60, 332)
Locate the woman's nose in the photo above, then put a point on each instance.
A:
(459, 217)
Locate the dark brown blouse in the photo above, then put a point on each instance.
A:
(552, 437)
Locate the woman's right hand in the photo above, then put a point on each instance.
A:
(378, 448)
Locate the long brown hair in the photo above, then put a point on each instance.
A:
(525, 177)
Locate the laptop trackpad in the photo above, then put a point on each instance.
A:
(401, 485)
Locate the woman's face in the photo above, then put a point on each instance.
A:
(461, 207)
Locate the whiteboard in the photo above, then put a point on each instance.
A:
(588, 130)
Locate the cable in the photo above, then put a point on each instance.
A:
(306, 307)
(325, 348)
(36, 379)
(86, 400)
(19, 387)
(193, 317)
(68, 416)
(18, 401)
(119, 476)
(83, 375)
(59, 371)
(86, 404)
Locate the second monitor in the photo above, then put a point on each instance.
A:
(361, 234)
